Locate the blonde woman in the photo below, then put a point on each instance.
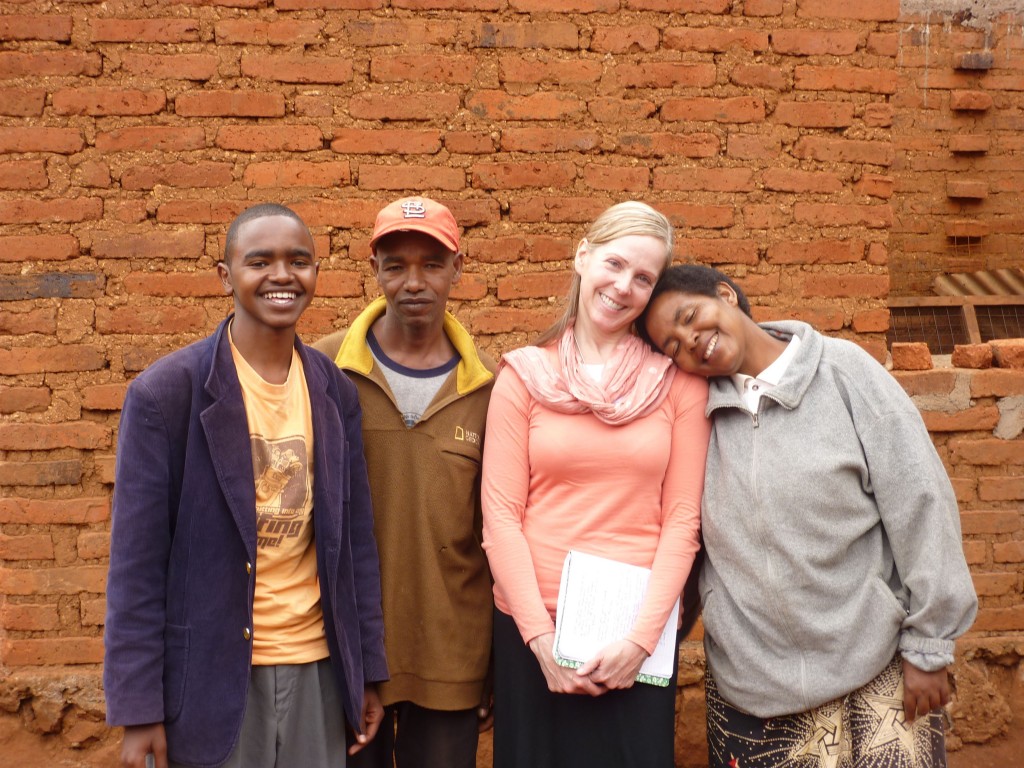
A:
(594, 443)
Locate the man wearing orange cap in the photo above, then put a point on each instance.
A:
(423, 386)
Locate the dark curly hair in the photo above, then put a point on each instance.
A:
(689, 278)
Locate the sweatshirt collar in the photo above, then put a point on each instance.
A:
(354, 353)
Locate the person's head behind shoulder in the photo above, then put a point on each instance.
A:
(615, 269)
(699, 317)
(269, 267)
(416, 259)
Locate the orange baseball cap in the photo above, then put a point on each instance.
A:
(417, 214)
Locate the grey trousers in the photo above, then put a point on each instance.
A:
(293, 717)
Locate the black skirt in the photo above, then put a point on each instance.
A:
(535, 728)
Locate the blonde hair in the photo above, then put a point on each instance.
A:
(623, 219)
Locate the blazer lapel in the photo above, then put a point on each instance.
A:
(227, 433)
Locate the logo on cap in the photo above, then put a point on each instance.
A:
(414, 209)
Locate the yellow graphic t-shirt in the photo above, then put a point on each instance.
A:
(288, 623)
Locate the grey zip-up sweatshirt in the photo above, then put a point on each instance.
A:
(832, 533)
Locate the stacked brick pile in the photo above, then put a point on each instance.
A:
(783, 137)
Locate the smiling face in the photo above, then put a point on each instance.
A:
(271, 273)
(416, 273)
(702, 334)
(616, 279)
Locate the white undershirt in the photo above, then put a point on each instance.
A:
(752, 388)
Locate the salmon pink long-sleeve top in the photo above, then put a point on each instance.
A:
(554, 481)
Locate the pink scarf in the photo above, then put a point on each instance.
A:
(635, 381)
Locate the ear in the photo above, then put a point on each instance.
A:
(727, 294)
(225, 278)
(374, 264)
(581, 256)
(457, 263)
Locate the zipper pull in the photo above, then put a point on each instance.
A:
(754, 417)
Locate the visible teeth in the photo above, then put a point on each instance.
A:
(711, 346)
(609, 303)
(280, 296)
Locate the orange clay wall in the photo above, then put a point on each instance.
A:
(827, 154)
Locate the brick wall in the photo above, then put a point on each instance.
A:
(809, 147)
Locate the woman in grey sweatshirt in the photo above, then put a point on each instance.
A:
(835, 581)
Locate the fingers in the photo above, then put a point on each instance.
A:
(361, 741)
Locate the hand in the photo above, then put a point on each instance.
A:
(923, 691)
(561, 679)
(485, 710)
(142, 740)
(372, 715)
(616, 665)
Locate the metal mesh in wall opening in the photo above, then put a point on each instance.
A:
(941, 328)
(1000, 321)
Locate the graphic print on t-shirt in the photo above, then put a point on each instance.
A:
(282, 488)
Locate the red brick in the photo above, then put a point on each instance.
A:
(470, 287)
(815, 114)
(29, 546)
(990, 522)
(669, 144)
(981, 417)
(55, 27)
(634, 38)
(93, 612)
(24, 399)
(448, 5)
(296, 173)
(150, 137)
(791, 180)
(871, 321)
(510, 249)
(969, 143)
(816, 252)
(92, 173)
(862, 10)
(143, 30)
(468, 142)
(26, 211)
(289, 68)
(330, 5)
(762, 8)
(515, 69)
(511, 320)
(63, 512)
(815, 42)
(23, 174)
(994, 584)
(64, 141)
(545, 105)
(976, 552)
(339, 284)
(715, 39)
(999, 619)
(29, 617)
(844, 150)
(375, 141)
(760, 285)
(180, 244)
(610, 110)
(270, 138)
(739, 109)
(846, 78)
(204, 174)
(51, 651)
(49, 64)
(576, 210)
(548, 140)
(182, 66)
(878, 115)
(40, 473)
(409, 106)
(404, 177)
(1008, 353)
(616, 178)
(420, 68)
(717, 251)
(280, 32)
(753, 147)
(665, 74)
(42, 320)
(565, 6)
(85, 435)
(108, 101)
(150, 319)
(964, 229)
(376, 31)
(235, 103)
(533, 285)
(691, 215)
(759, 76)
(970, 101)
(103, 397)
(972, 356)
(93, 545)
(523, 174)
(834, 215)
(875, 185)
(706, 179)
(847, 286)
(1001, 488)
(54, 581)
(558, 35)
(975, 189)
(766, 216)
(989, 452)
(681, 6)
(311, 105)
(22, 102)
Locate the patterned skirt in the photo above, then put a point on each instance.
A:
(865, 729)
